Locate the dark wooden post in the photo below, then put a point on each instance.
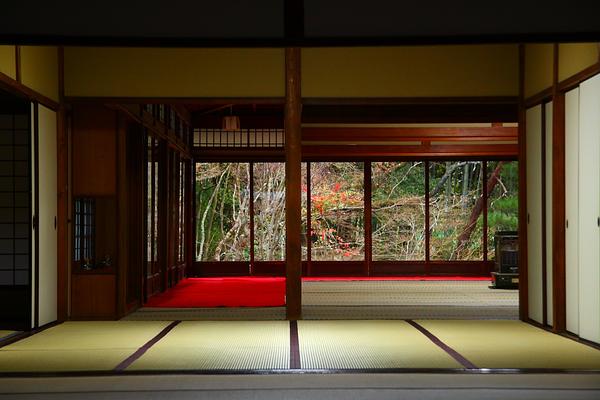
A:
(63, 211)
(367, 190)
(559, 308)
(523, 281)
(293, 251)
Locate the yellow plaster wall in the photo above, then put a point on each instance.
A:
(575, 57)
(419, 71)
(163, 72)
(8, 64)
(539, 60)
(39, 70)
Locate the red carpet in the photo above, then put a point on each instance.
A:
(253, 291)
(223, 292)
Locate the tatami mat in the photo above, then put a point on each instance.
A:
(367, 344)
(512, 344)
(208, 314)
(368, 300)
(220, 345)
(408, 312)
(406, 293)
(78, 346)
(5, 334)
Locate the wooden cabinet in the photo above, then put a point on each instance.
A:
(93, 296)
(95, 165)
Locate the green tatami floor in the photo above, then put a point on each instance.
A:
(279, 346)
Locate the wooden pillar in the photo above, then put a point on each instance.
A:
(523, 281)
(64, 258)
(190, 198)
(367, 187)
(293, 177)
(559, 295)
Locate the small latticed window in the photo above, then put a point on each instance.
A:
(239, 138)
(85, 230)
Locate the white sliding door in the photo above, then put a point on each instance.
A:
(572, 209)
(549, 202)
(47, 195)
(589, 209)
(534, 211)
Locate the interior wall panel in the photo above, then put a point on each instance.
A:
(575, 57)
(572, 209)
(39, 69)
(589, 209)
(47, 191)
(8, 65)
(539, 62)
(548, 216)
(534, 211)
(174, 72)
(417, 71)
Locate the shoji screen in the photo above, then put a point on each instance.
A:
(589, 209)
(534, 211)
(47, 206)
(572, 208)
(548, 233)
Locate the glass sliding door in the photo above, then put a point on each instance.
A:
(269, 211)
(456, 210)
(503, 199)
(337, 211)
(222, 212)
(398, 211)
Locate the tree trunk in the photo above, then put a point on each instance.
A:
(466, 184)
(449, 170)
(465, 236)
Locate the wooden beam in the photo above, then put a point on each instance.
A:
(293, 156)
(558, 204)
(379, 134)
(17, 88)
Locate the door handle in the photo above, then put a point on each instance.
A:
(567, 224)
(55, 222)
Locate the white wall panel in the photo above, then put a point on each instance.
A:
(47, 191)
(534, 211)
(549, 202)
(572, 209)
(589, 209)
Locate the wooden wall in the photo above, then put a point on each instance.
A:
(94, 175)
(94, 144)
